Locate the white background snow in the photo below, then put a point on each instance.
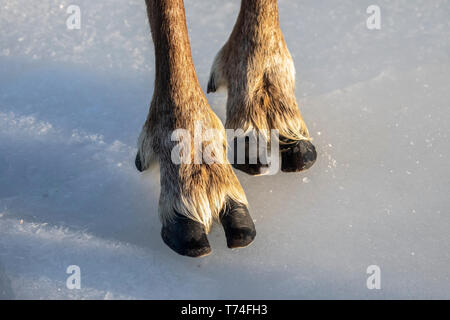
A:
(72, 103)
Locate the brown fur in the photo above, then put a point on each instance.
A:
(198, 191)
(258, 71)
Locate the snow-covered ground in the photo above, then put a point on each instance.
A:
(72, 103)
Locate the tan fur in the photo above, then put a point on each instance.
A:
(258, 71)
(197, 191)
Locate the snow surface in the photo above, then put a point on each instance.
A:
(72, 103)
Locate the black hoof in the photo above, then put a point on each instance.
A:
(248, 166)
(186, 237)
(252, 169)
(137, 162)
(297, 156)
(238, 225)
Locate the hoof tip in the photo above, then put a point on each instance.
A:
(186, 237)
(298, 156)
(240, 238)
(238, 225)
(252, 169)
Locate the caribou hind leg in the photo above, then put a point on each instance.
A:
(258, 71)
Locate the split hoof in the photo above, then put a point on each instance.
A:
(238, 225)
(297, 156)
(186, 237)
